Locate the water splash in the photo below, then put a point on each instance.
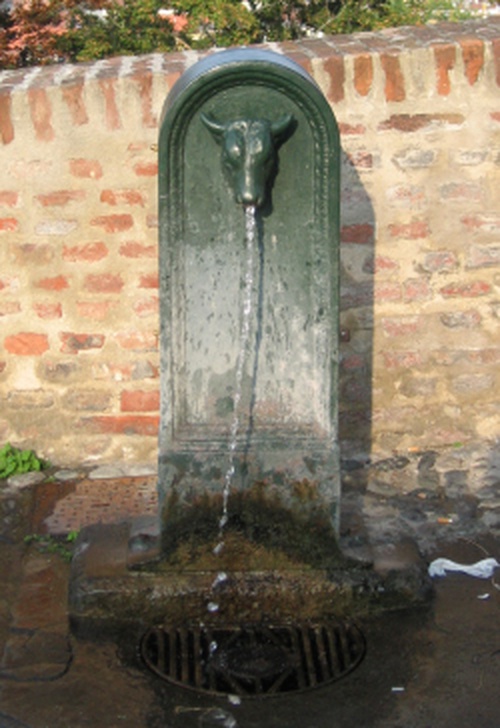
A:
(244, 338)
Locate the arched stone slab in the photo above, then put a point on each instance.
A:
(287, 462)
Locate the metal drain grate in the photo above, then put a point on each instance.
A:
(253, 661)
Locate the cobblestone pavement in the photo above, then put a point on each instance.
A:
(447, 502)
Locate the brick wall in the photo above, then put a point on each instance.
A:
(419, 113)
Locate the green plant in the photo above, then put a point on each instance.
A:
(14, 461)
(130, 28)
(51, 545)
(54, 31)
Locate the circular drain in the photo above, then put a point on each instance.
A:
(253, 661)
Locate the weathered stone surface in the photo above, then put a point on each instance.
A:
(25, 480)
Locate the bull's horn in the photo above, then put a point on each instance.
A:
(214, 126)
(280, 128)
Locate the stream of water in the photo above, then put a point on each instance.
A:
(244, 340)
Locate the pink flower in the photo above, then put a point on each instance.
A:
(178, 21)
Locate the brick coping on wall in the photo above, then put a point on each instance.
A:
(470, 36)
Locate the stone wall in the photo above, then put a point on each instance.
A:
(419, 113)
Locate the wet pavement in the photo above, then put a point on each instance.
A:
(431, 667)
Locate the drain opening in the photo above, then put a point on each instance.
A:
(253, 661)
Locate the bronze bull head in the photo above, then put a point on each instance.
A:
(250, 153)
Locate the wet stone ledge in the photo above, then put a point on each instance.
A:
(431, 496)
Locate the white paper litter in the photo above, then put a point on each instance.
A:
(482, 569)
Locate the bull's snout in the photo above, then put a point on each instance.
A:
(250, 187)
(247, 198)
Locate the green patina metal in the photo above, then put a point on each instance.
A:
(287, 444)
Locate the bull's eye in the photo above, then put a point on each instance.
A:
(234, 152)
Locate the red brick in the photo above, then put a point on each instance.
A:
(171, 77)
(483, 256)
(8, 224)
(57, 283)
(394, 78)
(485, 222)
(137, 147)
(138, 250)
(95, 310)
(461, 319)
(415, 158)
(379, 263)
(145, 84)
(60, 198)
(104, 283)
(362, 233)
(351, 129)
(440, 261)
(401, 326)
(41, 113)
(27, 344)
(107, 87)
(48, 310)
(473, 57)
(484, 356)
(361, 159)
(8, 198)
(140, 401)
(334, 67)
(126, 197)
(415, 122)
(462, 191)
(363, 73)
(416, 289)
(6, 126)
(73, 343)
(149, 280)
(402, 359)
(146, 307)
(387, 292)
(495, 115)
(86, 168)
(124, 424)
(138, 340)
(9, 307)
(496, 58)
(88, 252)
(445, 58)
(410, 196)
(146, 169)
(466, 290)
(73, 96)
(413, 230)
(114, 223)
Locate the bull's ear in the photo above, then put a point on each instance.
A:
(282, 128)
(215, 127)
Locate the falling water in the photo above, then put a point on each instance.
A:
(244, 337)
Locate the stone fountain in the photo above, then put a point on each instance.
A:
(248, 470)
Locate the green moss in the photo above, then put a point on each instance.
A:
(264, 532)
